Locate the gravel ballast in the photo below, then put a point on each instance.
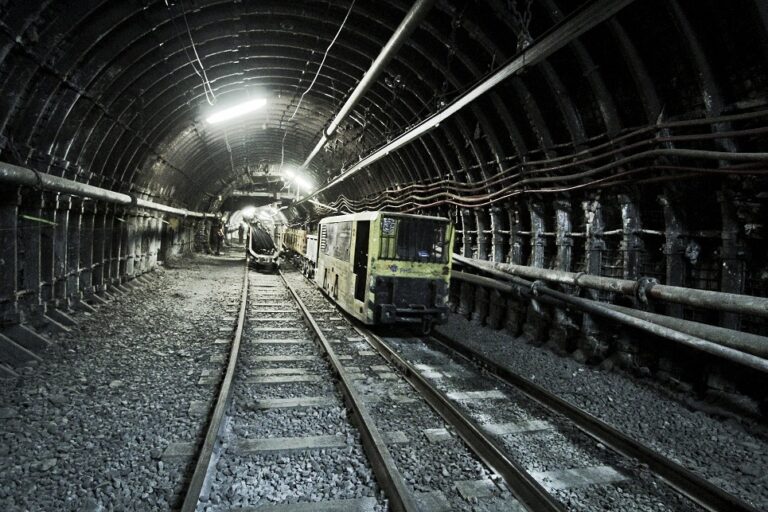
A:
(90, 423)
(429, 465)
(729, 453)
(246, 477)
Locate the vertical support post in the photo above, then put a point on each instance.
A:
(591, 343)
(140, 244)
(515, 240)
(674, 249)
(48, 247)
(119, 228)
(563, 329)
(127, 246)
(153, 224)
(466, 295)
(595, 243)
(30, 245)
(87, 246)
(537, 323)
(482, 237)
(497, 238)
(99, 254)
(563, 238)
(516, 310)
(538, 240)
(60, 251)
(73, 250)
(631, 242)
(732, 276)
(466, 239)
(9, 213)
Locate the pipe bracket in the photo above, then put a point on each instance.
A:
(643, 285)
(535, 287)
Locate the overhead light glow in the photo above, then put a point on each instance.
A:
(236, 111)
(303, 184)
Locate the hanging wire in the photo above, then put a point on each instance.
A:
(309, 88)
(523, 19)
(210, 97)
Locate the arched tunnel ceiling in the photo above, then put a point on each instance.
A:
(111, 93)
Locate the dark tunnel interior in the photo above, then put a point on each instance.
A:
(632, 129)
(609, 154)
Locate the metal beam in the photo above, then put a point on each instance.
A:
(406, 27)
(247, 193)
(584, 20)
(16, 175)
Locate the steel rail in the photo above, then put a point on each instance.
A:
(682, 480)
(387, 474)
(525, 488)
(216, 423)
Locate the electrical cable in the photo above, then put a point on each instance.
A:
(309, 88)
(210, 97)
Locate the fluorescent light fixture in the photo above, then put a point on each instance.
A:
(236, 111)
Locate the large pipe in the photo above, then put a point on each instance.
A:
(559, 299)
(13, 174)
(720, 301)
(745, 342)
(409, 23)
(588, 18)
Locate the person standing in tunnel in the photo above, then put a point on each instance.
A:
(240, 231)
(218, 238)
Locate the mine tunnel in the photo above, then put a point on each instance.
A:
(391, 255)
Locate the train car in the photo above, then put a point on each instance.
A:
(262, 250)
(295, 240)
(385, 268)
(303, 246)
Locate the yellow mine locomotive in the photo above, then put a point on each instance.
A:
(382, 267)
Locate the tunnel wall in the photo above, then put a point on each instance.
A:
(58, 250)
(717, 243)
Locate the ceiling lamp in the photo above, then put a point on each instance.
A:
(236, 111)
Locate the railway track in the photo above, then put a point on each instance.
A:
(315, 413)
(520, 429)
(305, 421)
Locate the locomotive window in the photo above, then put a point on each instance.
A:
(410, 239)
(338, 238)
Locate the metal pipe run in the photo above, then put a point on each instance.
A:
(412, 19)
(745, 342)
(539, 292)
(15, 175)
(586, 19)
(643, 288)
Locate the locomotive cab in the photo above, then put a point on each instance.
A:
(386, 268)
